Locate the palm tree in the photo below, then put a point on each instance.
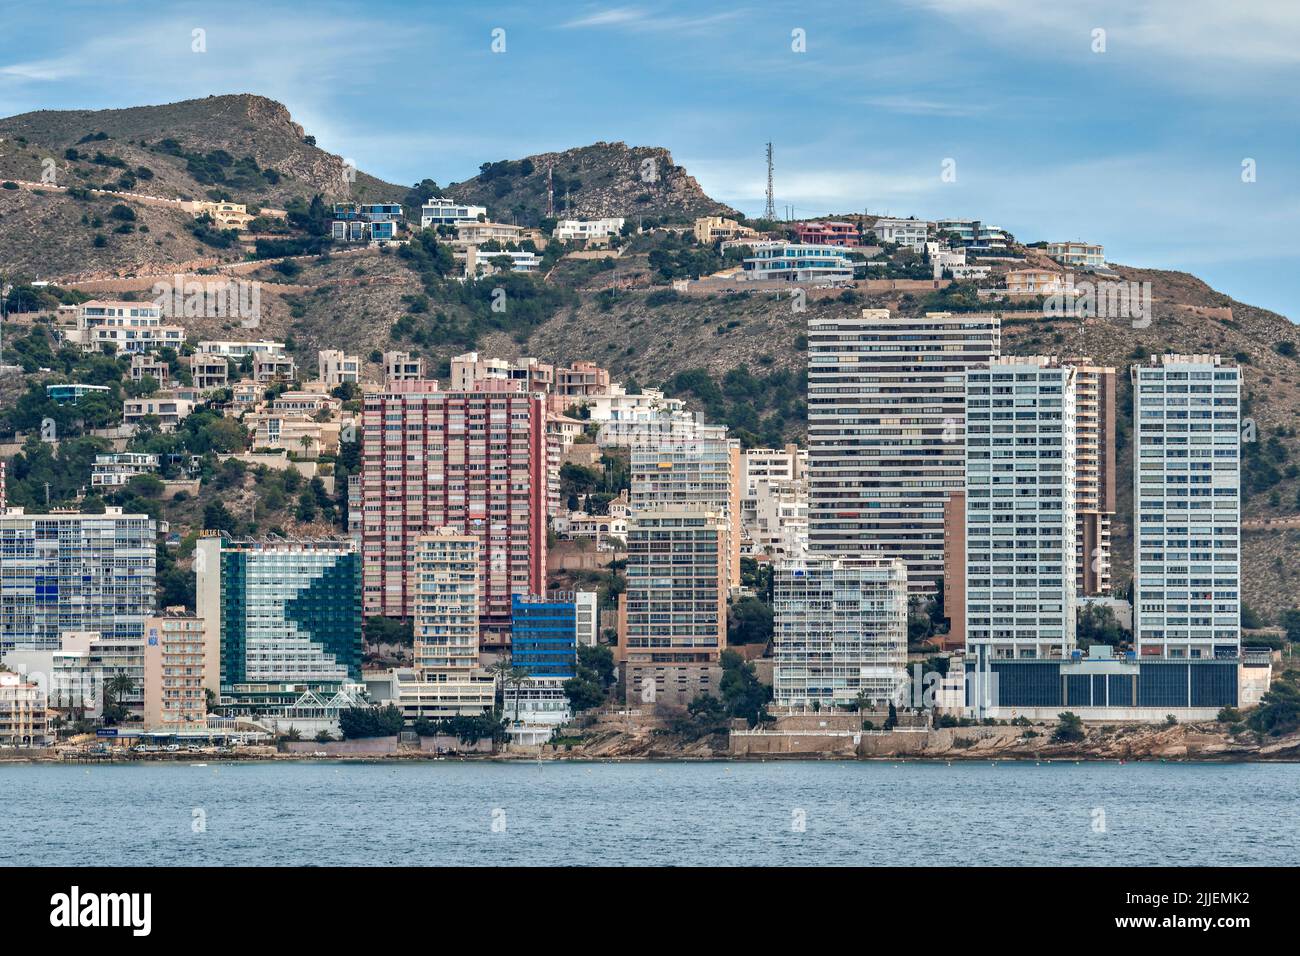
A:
(517, 676)
(56, 724)
(117, 687)
(306, 442)
(500, 672)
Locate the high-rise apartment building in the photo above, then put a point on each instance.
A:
(175, 657)
(886, 423)
(446, 602)
(1094, 474)
(1020, 501)
(475, 461)
(288, 612)
(673, 613)
(699, 473)
(66, 571)
(840, 631)
(447, 680)
(1187, 507)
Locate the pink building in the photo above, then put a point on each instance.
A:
(827, 233)
(475, 461)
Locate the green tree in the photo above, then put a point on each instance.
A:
(749, 621)
(500, 671)
(1097, 624)
(1069, 728)
(115, 688)
(705, 716)
(387, 630)
(356, 722)
(217, 518)
(1279, 710)
(595, 674)
(742, 692)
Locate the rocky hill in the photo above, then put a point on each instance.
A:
(590, 182)
(241, 125)
(740, 358)
(242, 147)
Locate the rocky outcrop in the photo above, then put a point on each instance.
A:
(590, 182)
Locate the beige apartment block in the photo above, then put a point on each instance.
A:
(177, 653)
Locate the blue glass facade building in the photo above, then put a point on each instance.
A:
(544, 636)
(1158, 682)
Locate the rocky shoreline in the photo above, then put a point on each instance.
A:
(1132, 743)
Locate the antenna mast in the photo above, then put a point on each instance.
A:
(769, 211)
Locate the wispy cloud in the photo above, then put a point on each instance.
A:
(60, 68)
(1265, 32)
(640, 20)
(921, 106)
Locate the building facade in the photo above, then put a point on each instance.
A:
(24, 719)
(66, 571)
(1020, 500)
(471, 460)
(543, 635)
(176, 649)
(910, 233)
(288, 616)
(954, 573)
(589, 229)
(783, 464)
(336, 367)
(447, 679)
(886, 429)
(840, 632)
(1094, 474)
(402, 366)
(704, 474)
(115, 470)
(774, 518)
(977, 236)
(586, 618)
(1078, 255)
(444, 212)
(673, 612)
(1187, 507)
(711, 229)
(124, 328)
(814, 263)
(827, 233)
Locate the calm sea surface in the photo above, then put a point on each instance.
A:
(445, 813)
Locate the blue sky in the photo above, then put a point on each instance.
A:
(1139, 147)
